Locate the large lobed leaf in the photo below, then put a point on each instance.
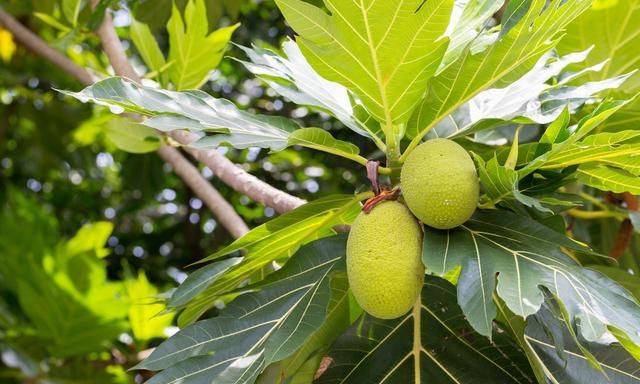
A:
(384, 51)
(468, 19)
(193, 51)
(257, 328)
(531, 99)
(276, 240)
(611, 26)
(291, 75)
(193, 110)
(431, 344)
(606, 161)
(198, 112)
(500, 64)
(515, 256)
(570, 361)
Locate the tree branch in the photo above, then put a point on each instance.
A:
(237, 178)
(222, 167)
(189, 174)
(223, 211)
(113, 48)
(36, 45)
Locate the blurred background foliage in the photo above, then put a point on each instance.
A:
(89, 232)
(57, 151)
(64, 183)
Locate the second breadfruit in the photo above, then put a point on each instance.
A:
(440, 183)
(384, 264)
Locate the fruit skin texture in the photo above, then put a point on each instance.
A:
(384, 260)
(440, 183)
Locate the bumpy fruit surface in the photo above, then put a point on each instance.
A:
(440, 183)
(384, 264)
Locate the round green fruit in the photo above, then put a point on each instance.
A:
(440, 183)
(384, 260)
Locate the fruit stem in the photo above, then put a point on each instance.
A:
(394, 163)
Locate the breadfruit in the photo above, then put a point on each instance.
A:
(384, 260)
(440, 184)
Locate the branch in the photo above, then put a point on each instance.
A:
(222, 167)
(237, 178)
(190, 175)
(223, 211)
(113, 48)
(36, 45)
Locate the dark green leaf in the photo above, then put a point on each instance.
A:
(431, 344)
(269, 324)
(514, 256)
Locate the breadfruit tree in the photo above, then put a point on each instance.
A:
(501, 136)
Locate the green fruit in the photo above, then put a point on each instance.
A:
(384, 260)
(440, 184)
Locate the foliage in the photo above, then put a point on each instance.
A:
(541, 93)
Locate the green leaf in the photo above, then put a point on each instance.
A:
(312, 219)
(144, 311)
(514, 54)
(94, 371)
(28, 231)
(52, 21)
(431, 344)
(557, 131)
(609, 179)
(269, 324)
(337, 320)
(501, 186)
(317, 138)
(569, 364)
(293, 77)
(71, 10)
(192, 49)
(515, 325)
(192, 110)
(525, 255)
(533, 98)
(629, 281)
(148, 48)
(615, 39)
(275, 240)
(71, 303)
(467, 20)
(132, 137)
(384, 52)
(200, 280)
(599, 148)
(572, 142)
(90, 238)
